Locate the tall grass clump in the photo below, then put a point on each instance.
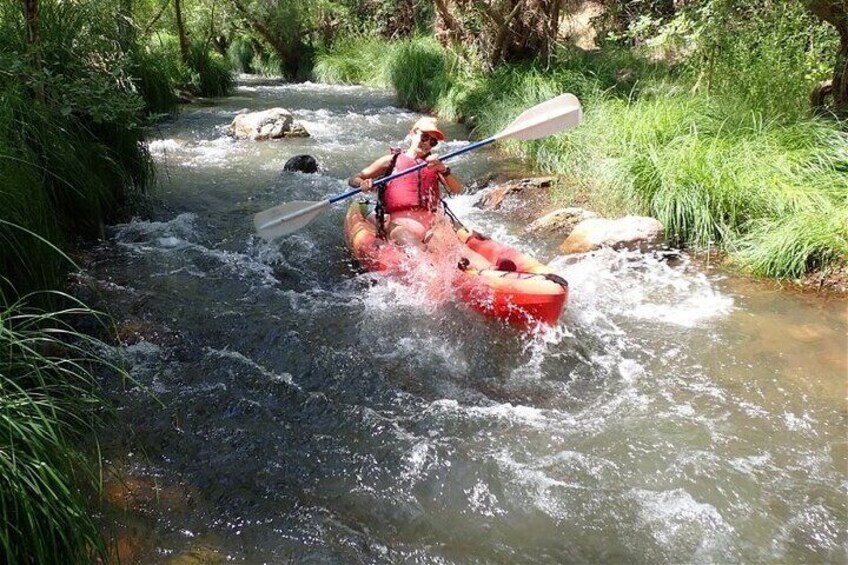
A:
(71, 147)
(211, 74)
(420, 72)
(357, 59)
(155, 80)
(49, 406)
(205, 73)
(267, 64)
(240, 54)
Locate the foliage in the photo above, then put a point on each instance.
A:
(714, 165)
(419, 72)
(48, 405)
(356, 60)
(210, 72)
(767, 57)
(70, 139)
(501, 31)
(240, 54)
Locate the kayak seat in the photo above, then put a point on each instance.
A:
(506, 264)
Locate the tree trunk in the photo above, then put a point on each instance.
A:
(840, 75)
(126, 27)
(835, 12)
(33, 39)
(181, 33)
(448, 28)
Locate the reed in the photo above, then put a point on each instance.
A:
(211, 72)
(49, 407)
(419, 72)
(356, 60)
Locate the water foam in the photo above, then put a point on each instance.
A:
(697, 531)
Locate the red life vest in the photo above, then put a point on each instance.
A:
(414, 190)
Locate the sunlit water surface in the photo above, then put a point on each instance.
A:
(303, 410)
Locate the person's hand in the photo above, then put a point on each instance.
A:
(434, 163)
(367, 185)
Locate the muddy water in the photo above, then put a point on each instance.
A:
(287, 407)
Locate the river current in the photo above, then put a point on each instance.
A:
(286, 406)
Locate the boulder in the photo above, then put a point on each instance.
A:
(302, 164)
(296, 130)
(630, 232)
(559, 222)
(492, 198)
(273, 123)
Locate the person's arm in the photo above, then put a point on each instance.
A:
(451, 182)
(445, 176)
(365, 177)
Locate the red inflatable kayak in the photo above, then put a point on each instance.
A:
(526, 296)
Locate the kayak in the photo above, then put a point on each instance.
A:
(515, 288)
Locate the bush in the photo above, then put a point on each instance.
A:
(211, 74)
(240, 55)
(356, 60)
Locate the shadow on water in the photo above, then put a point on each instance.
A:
(288, 406)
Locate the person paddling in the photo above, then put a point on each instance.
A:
(411, 201)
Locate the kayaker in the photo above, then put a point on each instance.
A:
(411, 201)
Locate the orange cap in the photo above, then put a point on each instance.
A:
(428, 124)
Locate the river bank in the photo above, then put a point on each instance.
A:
(758, 178)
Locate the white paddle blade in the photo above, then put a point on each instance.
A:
(555, 115)
(287, 218)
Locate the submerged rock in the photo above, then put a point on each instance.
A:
(630, 232)
(560, 222)
(492, 198)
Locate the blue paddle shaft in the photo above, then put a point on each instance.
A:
(417, 167)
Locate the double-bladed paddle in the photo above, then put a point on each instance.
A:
(555, 115)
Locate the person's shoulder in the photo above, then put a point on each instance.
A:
(385, 159)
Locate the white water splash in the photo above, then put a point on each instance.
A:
(677, 520)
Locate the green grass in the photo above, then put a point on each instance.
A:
(60, 177)
(49, 406)
(711, 178)
(155, 79)
(356, 60)
(206, 73)
(740, 164)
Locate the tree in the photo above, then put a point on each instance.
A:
(501, 30)
(181, 32)
(834, 12)
(279, 24)
(33, 39)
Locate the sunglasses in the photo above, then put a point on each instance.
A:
(426, 137)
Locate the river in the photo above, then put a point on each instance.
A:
(287, 407)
